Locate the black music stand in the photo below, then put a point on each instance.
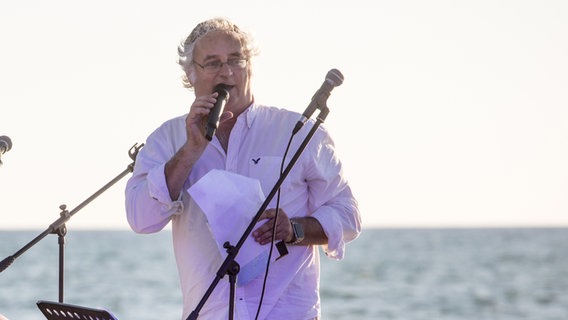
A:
(64, 311)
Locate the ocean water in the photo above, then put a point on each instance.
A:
(402, 274)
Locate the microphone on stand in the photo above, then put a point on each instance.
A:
(333, 79)
(215, 113)
(5, 146)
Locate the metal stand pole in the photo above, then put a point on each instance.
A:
(58, 226)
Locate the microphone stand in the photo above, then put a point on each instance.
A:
(229, 266)
(58, 226)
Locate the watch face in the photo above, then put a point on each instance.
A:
(298, 231)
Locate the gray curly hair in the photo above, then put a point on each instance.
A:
(187, 46)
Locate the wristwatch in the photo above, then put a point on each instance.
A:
(298, 232)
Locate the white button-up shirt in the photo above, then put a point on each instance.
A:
(315, 187)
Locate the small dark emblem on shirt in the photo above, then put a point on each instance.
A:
(256, 160)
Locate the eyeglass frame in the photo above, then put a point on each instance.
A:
(218, 68)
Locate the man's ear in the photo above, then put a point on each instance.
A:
(191, 77)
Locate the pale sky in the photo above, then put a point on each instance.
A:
(452, 113)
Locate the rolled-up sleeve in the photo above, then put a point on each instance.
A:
(332, 200)
(148, 205)
(341, 223)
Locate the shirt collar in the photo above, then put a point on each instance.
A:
(250, 114)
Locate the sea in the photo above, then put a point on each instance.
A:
(397, 274)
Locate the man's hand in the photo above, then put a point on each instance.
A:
(263, 234)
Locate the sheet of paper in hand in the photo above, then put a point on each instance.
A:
(230, 201)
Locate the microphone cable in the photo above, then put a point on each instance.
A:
(273, 230)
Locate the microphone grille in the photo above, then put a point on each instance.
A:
(334, 77)
(223, 90)
(5, 140)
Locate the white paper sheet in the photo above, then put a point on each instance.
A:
(230, 202)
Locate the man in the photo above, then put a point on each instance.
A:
(250, 141)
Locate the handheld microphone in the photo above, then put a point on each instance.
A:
(217, 110)
(333, 79)
(5, 145)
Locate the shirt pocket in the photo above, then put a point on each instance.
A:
(266, 169)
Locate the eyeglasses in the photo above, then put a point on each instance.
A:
(216, 65)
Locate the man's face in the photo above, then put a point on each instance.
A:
(220, 47)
